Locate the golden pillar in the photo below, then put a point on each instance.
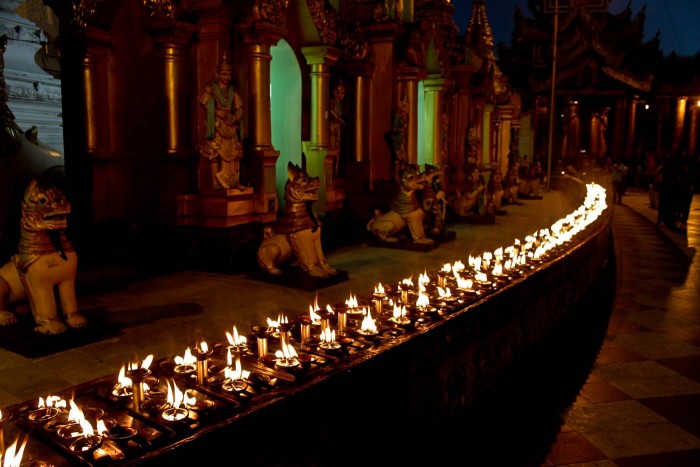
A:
(693, 129)
(505, 113)
(407, 80)
(631, 123)
(173, 40)
(681, 103)
(461, 110)
(89, 66)
(320, 58)
(362, 81)
(433, 86)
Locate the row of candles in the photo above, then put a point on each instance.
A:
(449, 289)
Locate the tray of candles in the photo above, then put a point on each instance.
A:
(89, 431)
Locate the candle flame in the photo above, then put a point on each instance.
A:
(408, 281)
(423, 278)
(187, 359)
(330, 309)
(235, 373)
(352, 301)
(444, 293)
(175, 395)
(327, 335)
(399, 311)
(12, 457)
(446, 268)
(203, 347)
(235, 338)
(379, 289)
(368, 324)
(423, 300)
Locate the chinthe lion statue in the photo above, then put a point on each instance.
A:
(406, 210)
(297, 235)
(45, 261)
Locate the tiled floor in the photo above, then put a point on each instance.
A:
(640, 405)
(624, 391)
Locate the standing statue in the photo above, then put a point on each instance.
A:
(222, 145)
(399, 131)
(297, 236)
(45, 261)
(336, 120)
(336, 113)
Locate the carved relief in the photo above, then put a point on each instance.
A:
(83, 12)
(269, 11)
(159, 9)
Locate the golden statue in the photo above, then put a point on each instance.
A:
(45, 263)
(296, 237)
(221, 144)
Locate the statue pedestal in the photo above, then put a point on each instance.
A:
(297, 278)
(225, 208)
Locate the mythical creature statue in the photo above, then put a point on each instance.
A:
(466, 203)
(297, 235)
(45, 260)
(433, 201)
(406, 210)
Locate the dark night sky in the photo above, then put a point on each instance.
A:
(677, 20)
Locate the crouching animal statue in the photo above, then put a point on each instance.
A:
(406, 210)
(297, 235)
(45, 260)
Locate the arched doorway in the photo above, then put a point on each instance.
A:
(285, 111)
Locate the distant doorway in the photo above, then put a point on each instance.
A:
(285, 110)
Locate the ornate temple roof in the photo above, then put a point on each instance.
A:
(597, 50)
(478, 35)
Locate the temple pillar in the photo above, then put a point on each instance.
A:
(357, 166)
(381, 38)
(263, 157)
(173, 40)
(693, 130)
(460, 119)
(97, 134)
(433, 86)
(679, 123)
(618, 133)
(407, 87)
(321, 159)
(631, 124)
(503, 142)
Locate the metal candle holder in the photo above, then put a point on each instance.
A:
(342, 322)
(261, 333)
(137, 377)
(203, 365)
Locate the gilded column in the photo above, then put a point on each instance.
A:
(461, 110)
(679, 124)
(320, 58)
(407, 79)
(631, 120)
(505, 113)
(693, 130)
(258, 39)
(173, 39)
(434, 88)
(89, 65)
(362, 80)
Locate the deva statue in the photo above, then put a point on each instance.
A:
(221, 144)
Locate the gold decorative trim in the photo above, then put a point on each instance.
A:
(83, 12)
(269, 11)
(326, 21)
(159, 9)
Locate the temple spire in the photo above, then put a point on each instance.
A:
(478, 35)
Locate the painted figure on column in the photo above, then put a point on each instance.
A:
(397, 136)
(222, 145)
(336, 121)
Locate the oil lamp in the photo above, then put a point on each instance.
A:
(236, 380)
(352, 306)
(186, 364)
(237, 343)
(137, 375)
(176, 398)
(286, 357)
(328, 341)
(399, 316)
(369, 327)
(47, 409)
